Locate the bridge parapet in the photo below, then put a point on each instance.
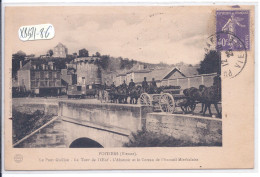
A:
(127, 117)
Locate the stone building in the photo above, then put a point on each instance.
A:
(60, 51)
(43, 78)
(87, 70)
(69, 76)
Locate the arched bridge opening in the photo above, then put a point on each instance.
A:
(85, 143)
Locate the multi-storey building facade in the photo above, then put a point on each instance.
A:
(41, 78)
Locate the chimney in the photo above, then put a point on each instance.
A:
(21, 64)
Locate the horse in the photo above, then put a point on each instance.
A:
(208, 96)
(122, 94)
(192, 96)
(113, 96)
(135, 93)
(211, 95)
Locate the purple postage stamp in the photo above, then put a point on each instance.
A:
(235, 27)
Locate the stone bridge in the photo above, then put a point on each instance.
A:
(110, 125)
(107, 124)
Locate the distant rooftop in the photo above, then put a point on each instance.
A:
(60, 45)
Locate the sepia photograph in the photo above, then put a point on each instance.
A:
(84, 93)
(136, 78)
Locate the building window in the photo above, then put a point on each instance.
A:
(54, 75)
(42, 84)
(58, 75)
(50, 75)
(46, 75)
(33, 75)
(42, 75)
(78, 88)
(52, 83)
(33, 84)
(58, 83)
(37, 75)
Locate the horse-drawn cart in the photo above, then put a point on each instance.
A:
(113, 94)
(168, 100)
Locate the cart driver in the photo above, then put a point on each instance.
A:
(145, 85)
(124, 85)
(153, 86)
(131, 84)
(153, 83)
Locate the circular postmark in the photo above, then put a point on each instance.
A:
(18, 158)
(232, 51)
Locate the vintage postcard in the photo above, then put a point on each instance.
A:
(129, 87)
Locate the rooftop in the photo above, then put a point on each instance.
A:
(60, 45)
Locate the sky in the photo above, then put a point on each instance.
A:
(147, 34)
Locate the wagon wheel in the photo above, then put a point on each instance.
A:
(188, 109)
(167, 103)
(145, 99)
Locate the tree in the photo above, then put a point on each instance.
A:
(98, 54)
(83, 53)
(126, 63)
(104, 61)
(21, 53)
(211, 63)
(50, 52)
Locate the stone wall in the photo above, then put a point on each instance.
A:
(190, 128)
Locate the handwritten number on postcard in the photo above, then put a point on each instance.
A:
(36, 32)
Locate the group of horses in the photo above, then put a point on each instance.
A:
(121, 93)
